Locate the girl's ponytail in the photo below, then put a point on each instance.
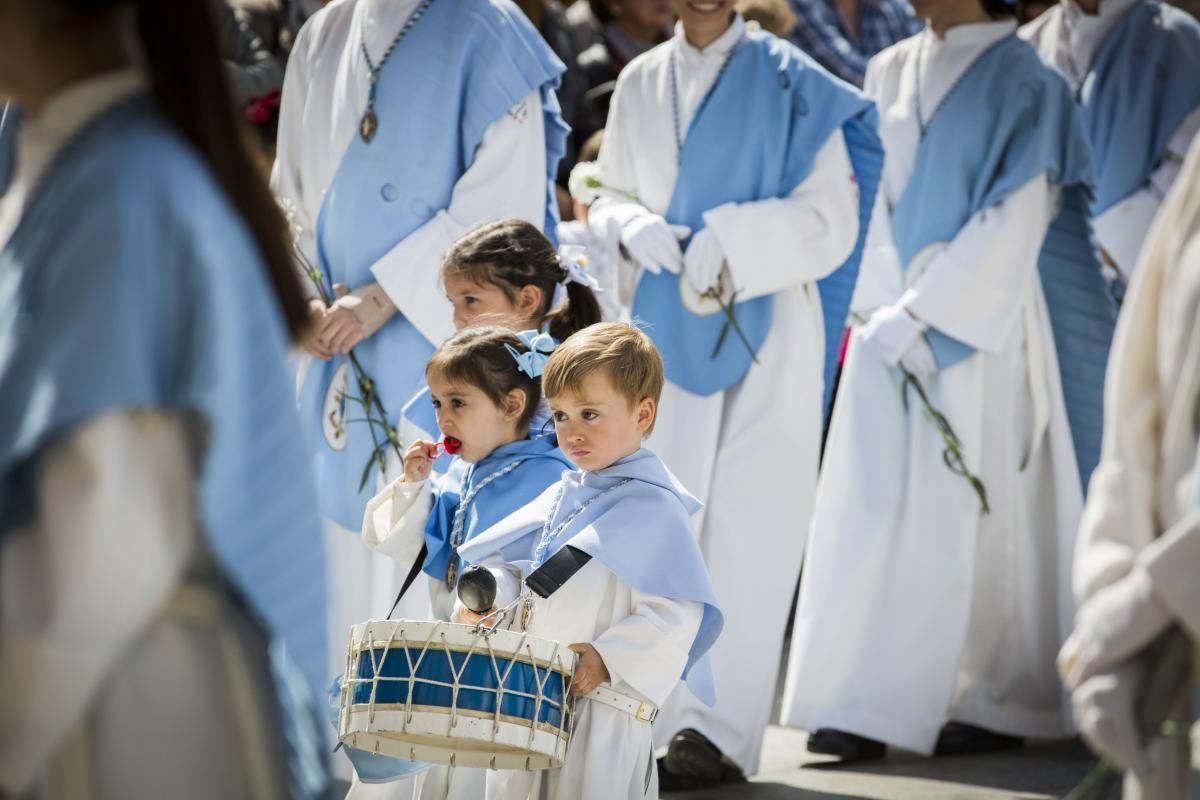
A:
(580, 310)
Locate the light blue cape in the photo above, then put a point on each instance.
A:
(756, 136)
(640, 532)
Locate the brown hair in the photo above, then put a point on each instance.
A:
(480, 357)
(512, 254)
(183, 61)
(627, 357)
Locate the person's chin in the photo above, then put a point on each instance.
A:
(584, 459)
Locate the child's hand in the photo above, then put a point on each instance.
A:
(590, 671)
(418, 460)
(465, 616)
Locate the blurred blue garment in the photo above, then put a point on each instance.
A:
(131, 283)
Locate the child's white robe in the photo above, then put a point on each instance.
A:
(760, 438)
(644, 641)
(914, 608)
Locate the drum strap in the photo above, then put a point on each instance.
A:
(558, 569)
(413, 572)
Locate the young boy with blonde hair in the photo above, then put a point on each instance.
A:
(605, 560)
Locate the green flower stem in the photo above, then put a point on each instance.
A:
(730, 322)
(952, 455)
(371, 405)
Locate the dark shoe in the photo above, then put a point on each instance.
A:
(695, 762)
(959, 738)
(844, 745)
(670, 782)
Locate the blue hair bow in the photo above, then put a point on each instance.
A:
(540, 345)
(573, 260)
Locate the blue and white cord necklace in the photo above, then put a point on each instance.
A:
(370, 123)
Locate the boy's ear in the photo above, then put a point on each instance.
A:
(514, 404)
(529, 300)
(646, 410)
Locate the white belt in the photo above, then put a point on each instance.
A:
(639, 709)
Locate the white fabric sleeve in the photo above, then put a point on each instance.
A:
(618, 170)
(1122, 229)
(648, 650)
(773, 244)
(881, 275)
(394, 522)
(1173, 561)
(507, 178)
(288, 169)
(115, 530)
(975, 288)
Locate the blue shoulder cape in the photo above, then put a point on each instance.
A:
(508, 478)
(640, 532)
(1142, 86)
(1033, 127)
(795, 106)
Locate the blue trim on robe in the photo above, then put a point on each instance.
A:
(157, 298)
(1033, 127)
(9, 124)
(465, 64)
(542, 464)
(796, 106)
(640, 532)
(1145, 82)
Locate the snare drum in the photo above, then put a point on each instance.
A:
(457, 694)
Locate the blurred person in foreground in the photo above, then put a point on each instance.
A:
(155, 558)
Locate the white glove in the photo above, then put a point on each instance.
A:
(1104, 708)
(703, 261)
(891, 333)
(919, 359)
(653, 243)
(1111, 627)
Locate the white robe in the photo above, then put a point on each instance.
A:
(1142, 489)
(1121, 229)
(644, 641)
(324, 94)
(914, 608)
(111, 632)
(717, 445)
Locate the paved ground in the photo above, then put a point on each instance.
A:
(1041, 770)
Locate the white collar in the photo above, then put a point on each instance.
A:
(719, 47)
(972, 34)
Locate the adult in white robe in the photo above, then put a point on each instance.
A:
(749, 452)
(1139, 542)
(320, 113)
(915, 608)
(1069, 36)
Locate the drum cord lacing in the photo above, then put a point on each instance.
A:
(398, 637)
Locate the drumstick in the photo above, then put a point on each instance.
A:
(477, 589)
